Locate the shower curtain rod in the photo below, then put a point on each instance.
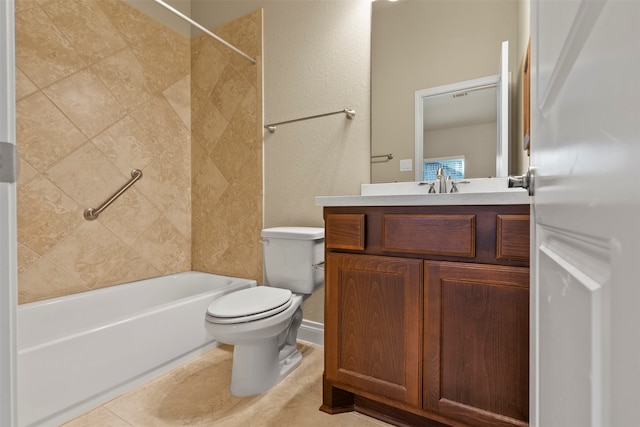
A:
(200, 27)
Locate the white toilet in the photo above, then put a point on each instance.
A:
(262, 322)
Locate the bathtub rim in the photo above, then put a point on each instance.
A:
(96, 325)
(153, 371)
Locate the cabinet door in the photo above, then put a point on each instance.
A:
(373, 325)
(477, 343)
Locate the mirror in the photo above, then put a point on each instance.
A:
(464, 127)
(418, 44)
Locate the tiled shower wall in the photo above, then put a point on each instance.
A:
(226, 117)
(103, 89)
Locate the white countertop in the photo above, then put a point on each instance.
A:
(495, 198)
(492, 191)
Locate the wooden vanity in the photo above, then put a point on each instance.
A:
(427, 313)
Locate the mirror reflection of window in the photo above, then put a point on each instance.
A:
(452, 166)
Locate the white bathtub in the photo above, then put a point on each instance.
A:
(78, 351)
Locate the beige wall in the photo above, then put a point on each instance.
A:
(316, 60)
(116, 96)
(476, 142)
(459, 40)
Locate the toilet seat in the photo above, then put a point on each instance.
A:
(250, 304)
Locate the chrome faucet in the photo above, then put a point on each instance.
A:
(442, 179)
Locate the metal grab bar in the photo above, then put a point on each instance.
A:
(350, 115)
(388, 156)
(90, 214)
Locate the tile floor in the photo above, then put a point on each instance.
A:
(197, 394)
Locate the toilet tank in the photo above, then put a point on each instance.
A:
(289, 255)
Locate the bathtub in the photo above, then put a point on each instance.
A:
(78, 351)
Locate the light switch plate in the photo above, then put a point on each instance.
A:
(406, 165)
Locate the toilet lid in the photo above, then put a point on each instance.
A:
(249, 304)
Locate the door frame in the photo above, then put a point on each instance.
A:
(8, 224)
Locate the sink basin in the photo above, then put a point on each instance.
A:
(476, 185)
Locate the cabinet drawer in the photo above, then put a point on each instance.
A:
(447, 235)
(512, 240)
(345, 231)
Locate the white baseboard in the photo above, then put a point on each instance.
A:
(311, 332)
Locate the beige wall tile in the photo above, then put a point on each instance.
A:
(230, 153)
(88, 253)
(127, 145)
(208, 183)
(181, 47)
(87, 176)
(229, 91)
(42, 52)
(226, 131)
(163, 62)
(44, 135)
(86, 101)
(125, 77)
(24, 86)
(22, 5)
(128, 267)
(243, 32)
(130, 216)
(45, 280)
(86, 26)
(161, 123)
(208, 244)
(26, 258)
(165, 179)
(132, 24)
(247, 123)
(27, 173)
(239, 258)
(207, 124)
(45, 215)
(165, 248)
(179, 213)
(178, 95)
(207, 64)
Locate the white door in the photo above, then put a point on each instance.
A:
(8, 260)
(585, 316)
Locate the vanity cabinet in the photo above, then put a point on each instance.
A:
(427, 314)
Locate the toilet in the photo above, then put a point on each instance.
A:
(262, 322)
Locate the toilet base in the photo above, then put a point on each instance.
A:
(257, 367)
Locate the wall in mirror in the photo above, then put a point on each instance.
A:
(458, 130)
(423, 44)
